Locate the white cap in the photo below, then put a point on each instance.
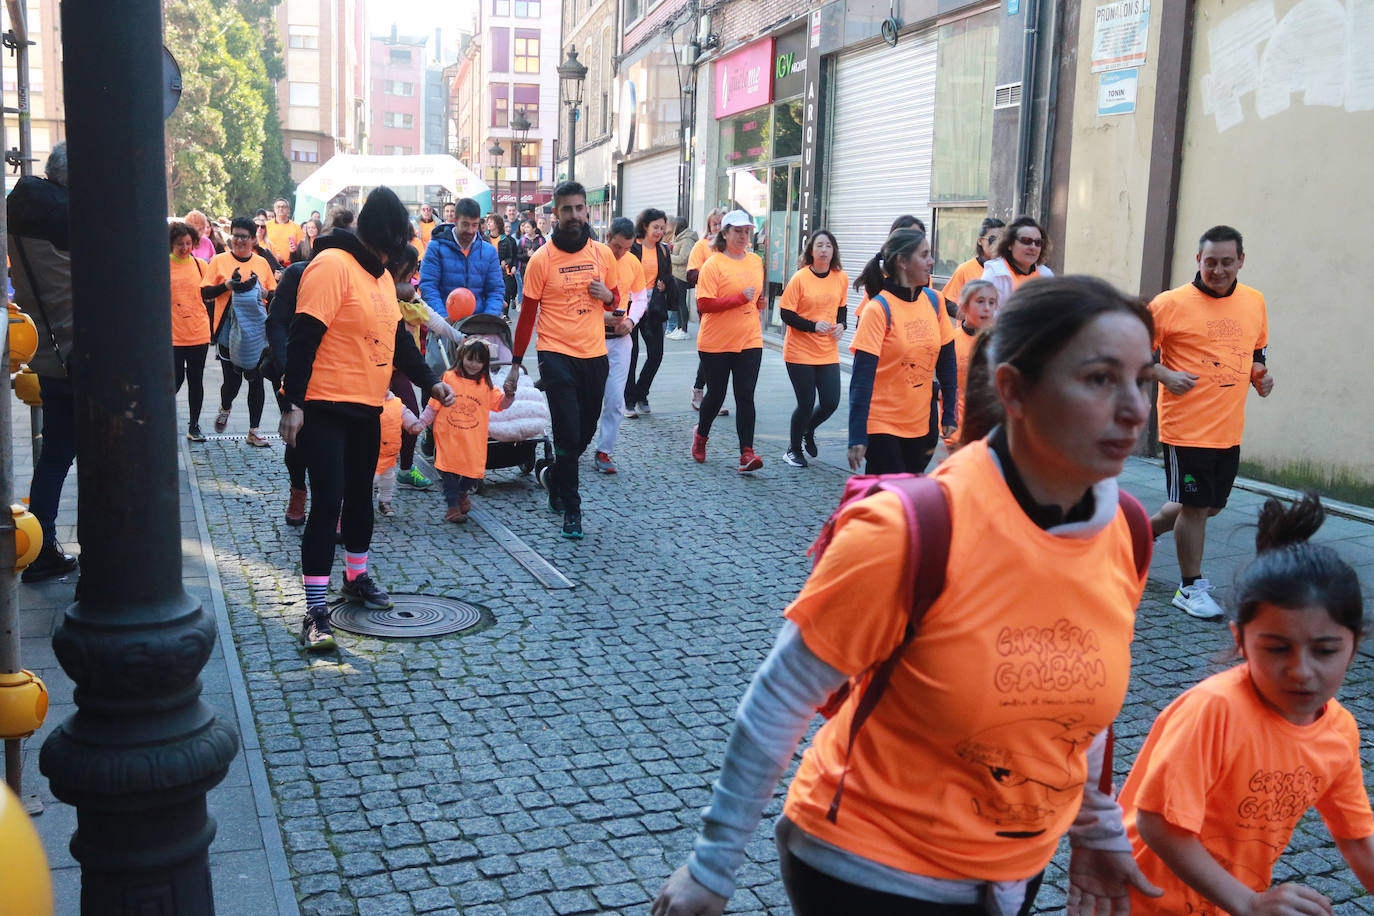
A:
(736, 218)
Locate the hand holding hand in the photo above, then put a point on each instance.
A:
(443, 393)
(1289, 900)
(512, 379)
(856, 456)
(624, 327)
(1261, 379)
(681, 895)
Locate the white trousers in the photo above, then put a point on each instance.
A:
(613, 402)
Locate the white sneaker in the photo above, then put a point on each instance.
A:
(678, 334)
(1196, 600)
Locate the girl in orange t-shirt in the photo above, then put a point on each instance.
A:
(899, 351)
(396, 419)
(460, 431)
(978, 757)
(190, 322)
(813, 308)
(977, 310)
(1232, 765)
(730, 293)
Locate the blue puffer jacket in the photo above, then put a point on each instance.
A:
(446, 268)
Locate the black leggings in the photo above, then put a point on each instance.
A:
(814, 893)
(651, 330)
(718, 369)
(293, 456)
(188, 363)
(684, 308)
(234, 377)
(340, 447)
(807, 383)
(403, 389)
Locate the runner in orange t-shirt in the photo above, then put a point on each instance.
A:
(977, 309)
(899, 352)
(730, 295)
(813, 308)
(570, 284)
(1211, 335)
(987, 745)
(696, 259)
(345, 338)
(1231, 766)
(190, 322)
(283, 233)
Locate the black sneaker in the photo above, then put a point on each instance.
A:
(316, 633)
(50, 563)
(809, 443)
(791, 458)
(194, 434)
(368, 592)
(572, 525)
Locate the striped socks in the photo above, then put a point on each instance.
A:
(316, 590)
(355, 565)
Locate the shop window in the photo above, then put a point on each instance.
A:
(526, 50)
(744, 138)
(500, 50)
(965, 76)
(500, 106)
(787, 129)
(526, 99)
(956, 236)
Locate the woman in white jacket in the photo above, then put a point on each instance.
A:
(1020, 257)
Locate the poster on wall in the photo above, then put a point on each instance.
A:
(1116, 91)
(1121, 34)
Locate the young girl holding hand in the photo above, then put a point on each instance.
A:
(1232, 765)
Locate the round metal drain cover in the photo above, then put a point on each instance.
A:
(413, 616)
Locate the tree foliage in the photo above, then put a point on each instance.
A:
(224, 142)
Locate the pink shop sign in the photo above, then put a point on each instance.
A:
(744, 78)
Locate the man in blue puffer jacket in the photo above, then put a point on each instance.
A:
(458, 256)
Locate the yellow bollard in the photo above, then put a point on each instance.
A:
(26, 388)
(28, 536)
(23, 705)
(24, 871)
(23, 338)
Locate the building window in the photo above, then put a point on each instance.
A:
(500, 50)
(500, 106)
(397, 87)
(633, 10)
(304, 95)
(500, 7)
(526, 50)
(529, 155)
(404, 120)
(304, 36)
(398, 150)
(305, 150)
(400, 55)
(526, 99)
(527, 9)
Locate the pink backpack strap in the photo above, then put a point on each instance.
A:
(1142, 547)
(928, 527)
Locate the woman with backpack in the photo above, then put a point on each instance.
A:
(1000, 644)
(903, 343)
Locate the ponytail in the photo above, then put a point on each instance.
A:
(982, 408)
(900, 244)
(1280, 526)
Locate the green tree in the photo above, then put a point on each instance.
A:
(197, 177)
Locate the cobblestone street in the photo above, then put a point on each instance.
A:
(556, 761)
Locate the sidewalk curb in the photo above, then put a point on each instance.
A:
(1333, 506)
(279, 871)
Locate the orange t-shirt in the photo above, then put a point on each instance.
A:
(648, 262)
(353, 362)
(973, 764)
(190, 321)
(221, 269)
(280, 236)
(460, 431)
(907, 352)
(736, 329)
(1216, 340)
(570, 320)
(631, 277)
(700, 254)
(1224, 766)
(391, 420)
(969, 270)
(815, 299)
(963, 349)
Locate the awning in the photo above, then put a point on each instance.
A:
(349, 171)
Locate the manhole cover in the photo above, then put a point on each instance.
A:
(413, 616)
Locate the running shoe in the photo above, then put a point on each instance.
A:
(572, 525)
(628, 412)
(455, 514)
(792, 459)
(697, 395)
(413, 479)
(679, 334)
(604, 464)
(295, 508)
(643, 409)
(221, 421)
(1196, 600)
(385, 508)
(365, 590)
(316, 633)
(698, 446)
(255, 440)
(809, 443)
(748, 461)
(193, 433)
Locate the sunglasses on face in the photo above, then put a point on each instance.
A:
(1030, 243)
(241, 238)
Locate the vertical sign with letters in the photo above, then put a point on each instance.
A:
(811, 128)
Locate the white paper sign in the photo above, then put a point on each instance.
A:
(1121, 34)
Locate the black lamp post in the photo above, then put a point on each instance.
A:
(521, 125)
(571, 74)
(497, 151)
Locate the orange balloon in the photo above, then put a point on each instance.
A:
(460, 304)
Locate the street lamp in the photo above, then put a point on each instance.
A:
(571, 74)
(521, 125)
(497, 151)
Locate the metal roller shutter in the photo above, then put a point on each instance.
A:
(881, 141)
(650, 182)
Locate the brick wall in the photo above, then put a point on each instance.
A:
(741, 21)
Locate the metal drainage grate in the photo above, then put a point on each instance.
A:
(413, 617)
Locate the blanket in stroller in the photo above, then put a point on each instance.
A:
(526, 418)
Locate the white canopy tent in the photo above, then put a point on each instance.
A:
(348, 171)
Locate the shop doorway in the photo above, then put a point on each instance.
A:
(771, 195)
